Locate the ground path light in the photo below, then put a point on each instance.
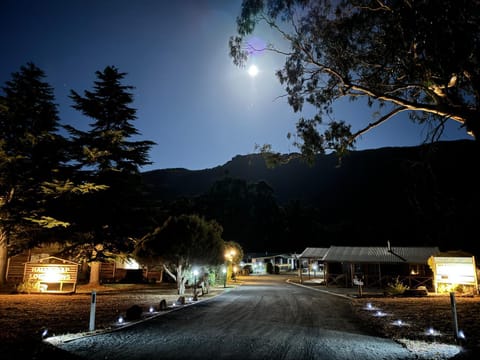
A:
(432, 332)
(369, 306)
(399, 323)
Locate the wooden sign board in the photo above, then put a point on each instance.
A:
(51, 275)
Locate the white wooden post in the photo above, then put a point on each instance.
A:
(92, 311)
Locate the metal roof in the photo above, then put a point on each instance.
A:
(316, 253)
(380, 255)
(262, 256)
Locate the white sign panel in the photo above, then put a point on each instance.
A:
(455, 270)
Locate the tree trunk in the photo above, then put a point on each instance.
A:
(3, 257)
(179, 278)
(94, 273)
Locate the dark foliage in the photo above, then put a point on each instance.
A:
(415, 57)
(106, 155)
(32, 156)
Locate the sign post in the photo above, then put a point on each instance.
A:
(358, 282)
(92, 311)
(454, 316)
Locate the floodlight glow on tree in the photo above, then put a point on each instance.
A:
(229, 254)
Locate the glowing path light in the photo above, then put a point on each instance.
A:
(370, 307)
(432, 332)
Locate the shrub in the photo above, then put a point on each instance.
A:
(396, 288)
(28, 286)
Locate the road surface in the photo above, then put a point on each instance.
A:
(264, 318)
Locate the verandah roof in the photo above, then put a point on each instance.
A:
(380, 255)
(314, 253)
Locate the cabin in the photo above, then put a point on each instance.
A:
(374, 267)
(311, 261)
(284, 262)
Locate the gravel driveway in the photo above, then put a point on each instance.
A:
(265, 318)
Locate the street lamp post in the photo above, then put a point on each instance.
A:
(229, 257)
(195, 273)
(224, 277)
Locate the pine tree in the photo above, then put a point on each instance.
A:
(107, 155)
(31, 155)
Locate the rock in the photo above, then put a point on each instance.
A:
(163, 305)
(181, 300)
(134, 312)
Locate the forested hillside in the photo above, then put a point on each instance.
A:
(424, 195)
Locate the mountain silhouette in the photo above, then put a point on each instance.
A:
(422, 195)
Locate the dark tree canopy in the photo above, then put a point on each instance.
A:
(185, 240)
(107, 155)
(245, 211)
(108, 146)
(420, 57)
(31, 156)
(31, 151)
(180, 243)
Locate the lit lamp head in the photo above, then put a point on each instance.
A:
(229, 254)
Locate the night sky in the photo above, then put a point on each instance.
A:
(198, 107)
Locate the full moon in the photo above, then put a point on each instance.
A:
(253, 71)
